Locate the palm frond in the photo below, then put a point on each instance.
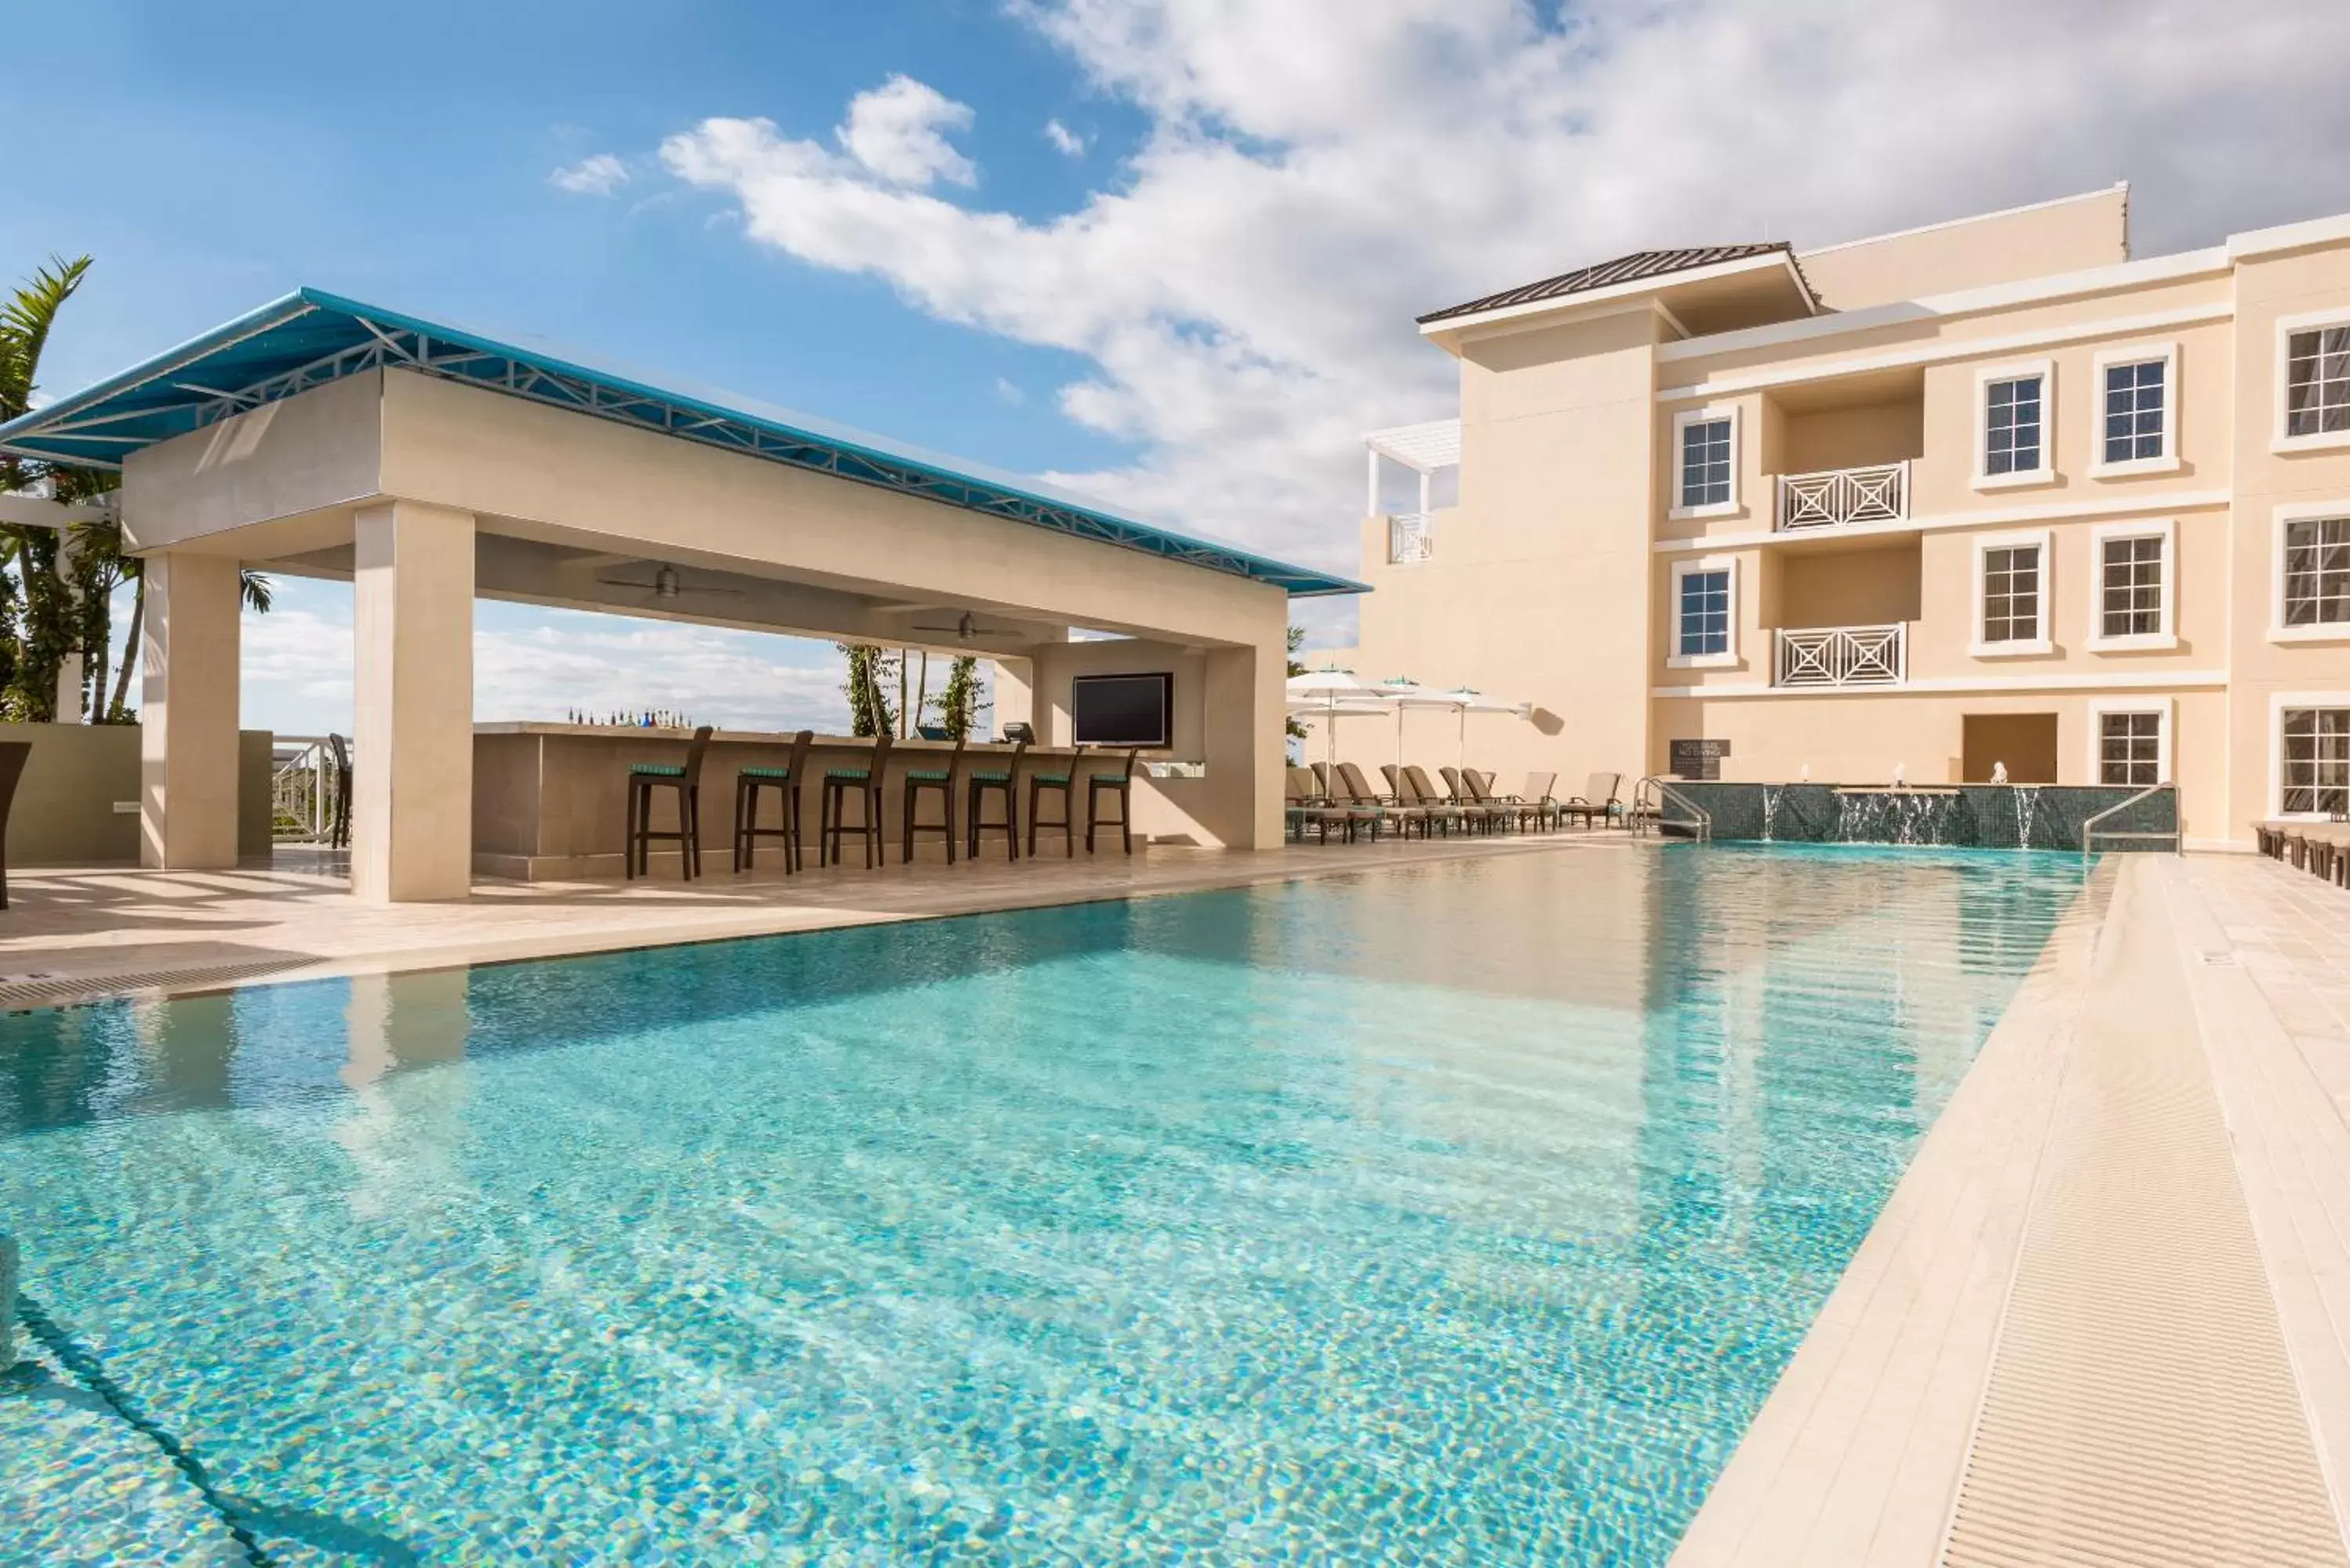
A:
(25, 323)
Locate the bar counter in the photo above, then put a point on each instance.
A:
(550, 801)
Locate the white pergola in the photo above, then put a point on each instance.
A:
(1425, 448)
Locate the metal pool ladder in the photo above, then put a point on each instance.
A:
(2091, 832)
(1699, 821)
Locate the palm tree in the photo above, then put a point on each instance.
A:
(66, 595)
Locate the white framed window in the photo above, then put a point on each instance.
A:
(2012, 589)
(1705, 462)
(2312, 393)
(2015, 425)
(2129, 742)
(2309, 592)
(2134, 586)
(2137, 411)
(1705, 614)
(2309, 754)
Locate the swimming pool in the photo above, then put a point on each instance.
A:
(1460, 1214)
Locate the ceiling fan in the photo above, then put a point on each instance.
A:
(666, 586)
(968, 628)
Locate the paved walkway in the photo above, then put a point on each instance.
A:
(2101, 1319)
(71, 935)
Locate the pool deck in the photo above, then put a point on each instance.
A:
(76, 934)
(2104, 1316)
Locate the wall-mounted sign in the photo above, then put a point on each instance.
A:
(1699, 759)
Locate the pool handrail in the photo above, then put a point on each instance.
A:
(1699, 818)
(2176, 835)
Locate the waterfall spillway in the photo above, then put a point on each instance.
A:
(1770, 793)
(1894, 815)
(2027, 809)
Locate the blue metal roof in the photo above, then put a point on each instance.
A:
(310, 337)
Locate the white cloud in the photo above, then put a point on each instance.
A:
(1010, 392)
(1315, 173)
(1066, 140)
(599, 175)
(897, 134)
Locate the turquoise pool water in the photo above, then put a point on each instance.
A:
(1458, 1215)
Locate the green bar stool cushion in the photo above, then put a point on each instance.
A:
(853, 775)
(766, 773)
(991, 778)
(927, 776)
(658, 771)
(1052, 778)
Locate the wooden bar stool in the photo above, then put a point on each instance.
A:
(786, 782)
(919, 780)
(338, 836)
(13, 754)
(839, 785)
(1119, 786)
(1066, 784)
(646, 777)
(984, 781)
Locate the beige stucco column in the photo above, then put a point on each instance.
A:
(188, 714)
(1245, 705)
(412, 711)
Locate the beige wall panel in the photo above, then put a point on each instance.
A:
(503, 457)
(1888, 432)
(323, 449)
(1175, 810)
(2001, 247)
(2266, 669)
(1938, 336)
(1524, 597)
(1945, 480)
(1864, 588)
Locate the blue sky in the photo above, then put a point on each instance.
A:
(1191, 301)
(404, 157)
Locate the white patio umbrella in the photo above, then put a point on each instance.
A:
(1466, 701)
(1332, 694)
(1405, 692)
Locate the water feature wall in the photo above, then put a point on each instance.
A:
(1988, 816)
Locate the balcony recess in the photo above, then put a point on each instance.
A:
(1831, 656)
(1411, 537)
(1838, 497)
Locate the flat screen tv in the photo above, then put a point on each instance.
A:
(1123, 710)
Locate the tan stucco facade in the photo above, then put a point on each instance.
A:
(426, 493)
(1559, 577)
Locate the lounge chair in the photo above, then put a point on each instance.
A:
(1597, 801)
(1413, 789)
(1355, 794)
(1304, 807)
(1479, 789)
(1534, 801)
(1465, 808)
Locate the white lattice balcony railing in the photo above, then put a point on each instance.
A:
(1411, 537)
(1839, 496)
(1842, 656)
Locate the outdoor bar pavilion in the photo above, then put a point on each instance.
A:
(429, 466)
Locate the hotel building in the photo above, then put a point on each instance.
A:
(1986, 492)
